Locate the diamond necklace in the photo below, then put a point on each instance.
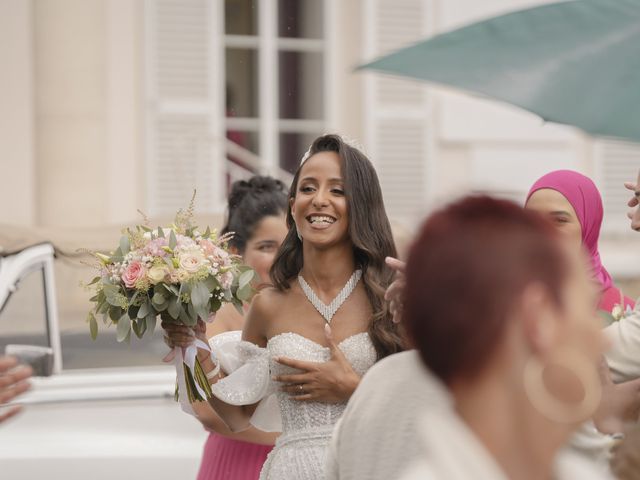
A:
(328, 311)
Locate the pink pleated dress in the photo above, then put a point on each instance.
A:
(227, 459)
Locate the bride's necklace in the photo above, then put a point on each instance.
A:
(328, 311)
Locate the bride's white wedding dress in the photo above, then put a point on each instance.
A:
(306, 426)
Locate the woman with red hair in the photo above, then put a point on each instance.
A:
(518, 347)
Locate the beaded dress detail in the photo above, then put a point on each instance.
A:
(306, 427)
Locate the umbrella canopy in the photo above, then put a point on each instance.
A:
(575, 63)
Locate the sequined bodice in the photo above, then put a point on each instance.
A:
(296, 415)
(306, 427)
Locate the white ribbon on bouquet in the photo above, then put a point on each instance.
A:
(187, 356)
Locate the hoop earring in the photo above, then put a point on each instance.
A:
(548, 404)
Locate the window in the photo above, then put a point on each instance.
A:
(233, 86)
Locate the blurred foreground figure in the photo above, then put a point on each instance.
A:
(502, 313)
(13, 382)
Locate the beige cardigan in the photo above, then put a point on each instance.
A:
(452, 452)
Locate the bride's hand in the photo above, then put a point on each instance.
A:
(333, 381)
(395, 291)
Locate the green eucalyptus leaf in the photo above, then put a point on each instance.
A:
(160, 232)
(123, 328)
(93, 326)
(158, 298)
(211, 283)
(125, 246)
(185, 318)
(199, 296)
(144, 310)
(115, 313)
(136, 328)
(173, 241)
(151, 322)
(245, 293)
(174, 308)
(245, 278)
(142, 326)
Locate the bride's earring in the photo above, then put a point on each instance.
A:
(297, 232)
(549, 404)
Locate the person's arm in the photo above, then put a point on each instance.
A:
(236, 417)
(211, 421)
(208, 417)
(13, 382)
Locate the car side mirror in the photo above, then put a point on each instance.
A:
(40, 359)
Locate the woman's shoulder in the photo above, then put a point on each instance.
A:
(268, 300)
(226, 319)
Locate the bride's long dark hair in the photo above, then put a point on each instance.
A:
(370, 234)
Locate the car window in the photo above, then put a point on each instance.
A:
(23, 320)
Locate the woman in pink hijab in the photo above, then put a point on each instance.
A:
(573, 203)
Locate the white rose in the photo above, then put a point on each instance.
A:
(191, 261)
(157, 274)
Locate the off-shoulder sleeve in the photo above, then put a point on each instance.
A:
(248, 379)
(624, 355)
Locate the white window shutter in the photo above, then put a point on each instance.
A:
(182, 154)
(397, 111)
(616, 162)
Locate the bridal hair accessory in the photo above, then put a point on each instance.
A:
(328, 311)
(349, 141)
(549, 404)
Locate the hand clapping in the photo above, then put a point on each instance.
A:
(634, 214)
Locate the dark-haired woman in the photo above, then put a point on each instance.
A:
(256, 215)
(330, 270)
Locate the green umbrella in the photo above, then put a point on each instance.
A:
(576, 63)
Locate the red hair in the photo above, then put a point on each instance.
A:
(466, 268)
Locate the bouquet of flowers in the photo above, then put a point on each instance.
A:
(177, 273)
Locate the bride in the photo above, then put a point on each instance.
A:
(329, 280)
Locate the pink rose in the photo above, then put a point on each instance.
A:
(221, 256)
(208, 247)
(134, 272)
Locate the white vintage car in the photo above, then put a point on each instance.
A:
(103, 422)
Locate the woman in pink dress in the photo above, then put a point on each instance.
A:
(256, 214)
(573, 203)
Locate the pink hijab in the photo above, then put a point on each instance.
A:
(585, 198)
